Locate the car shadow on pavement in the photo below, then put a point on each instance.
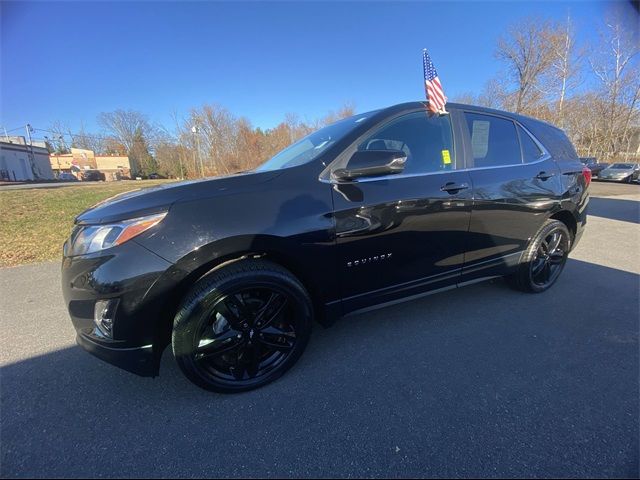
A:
(615, 209)
(482, 381)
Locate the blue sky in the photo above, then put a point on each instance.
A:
(70, 61)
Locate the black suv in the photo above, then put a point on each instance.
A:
(377, 208)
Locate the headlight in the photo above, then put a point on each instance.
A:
(93, 238)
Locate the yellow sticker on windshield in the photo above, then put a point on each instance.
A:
(446, 157)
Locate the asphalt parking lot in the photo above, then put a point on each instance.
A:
(481, 381)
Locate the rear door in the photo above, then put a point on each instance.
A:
(404, 234)
(515, 184)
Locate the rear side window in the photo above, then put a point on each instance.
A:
(530, 150)
(494, 141)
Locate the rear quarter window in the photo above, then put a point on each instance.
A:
(555, 141)
(530, 150)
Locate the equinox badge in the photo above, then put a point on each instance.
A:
(363, 261)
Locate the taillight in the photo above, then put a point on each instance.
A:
(586, 171)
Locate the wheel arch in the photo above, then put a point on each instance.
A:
(187, 271)
(569, 219)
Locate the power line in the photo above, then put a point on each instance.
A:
(65, 134)
(72, 134)
(17, 128)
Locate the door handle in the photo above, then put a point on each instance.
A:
(452, 187)
(545, 175)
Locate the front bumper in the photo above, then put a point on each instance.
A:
(129, 273)
(138, 360)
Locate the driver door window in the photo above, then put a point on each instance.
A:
(426, 140)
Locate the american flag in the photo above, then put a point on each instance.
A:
(432, 86)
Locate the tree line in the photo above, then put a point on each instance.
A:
(590, 91)
(209, 141)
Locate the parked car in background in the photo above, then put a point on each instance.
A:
(621, 172)
(67, 177)
(92, 176)
(156, 176)
(377, 208)
(593, 165)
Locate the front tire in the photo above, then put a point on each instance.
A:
(544, 260)
(242, 327)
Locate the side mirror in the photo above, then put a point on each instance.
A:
(371, 163)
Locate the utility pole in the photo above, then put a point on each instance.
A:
(200, 156)
(195, 162)
(195, 130)
(29, 129)
(180, 160)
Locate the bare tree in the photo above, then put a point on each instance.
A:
(59, 131)
(616, 67)
(564, 74)
(545, 66)
(88, 141)
(347, 110)
(226, 144)
(494, 94)
(130, 129)
(169, 157)
(466, 97)
(528, 52)
(111, 146)
(584, 115)
(212, 129)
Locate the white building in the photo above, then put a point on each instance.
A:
(19, 162)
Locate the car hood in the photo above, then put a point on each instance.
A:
(617, 171)
(151, 200)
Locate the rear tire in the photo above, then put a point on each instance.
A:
(544, 260)
(242, 327)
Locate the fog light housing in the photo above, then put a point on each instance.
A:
(103, 316)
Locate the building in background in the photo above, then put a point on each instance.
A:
(112, 167)
(22, 162)
(20, 140)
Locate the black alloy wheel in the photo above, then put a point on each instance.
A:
(549, 259)
(242, 327)
(246, 334)
(545, 258)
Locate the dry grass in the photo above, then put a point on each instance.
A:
(35, 223)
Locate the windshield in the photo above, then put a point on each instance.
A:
(309, 147)
(621, 166)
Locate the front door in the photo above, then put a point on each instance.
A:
(404, 234)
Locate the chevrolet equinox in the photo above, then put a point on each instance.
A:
(380, 207)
